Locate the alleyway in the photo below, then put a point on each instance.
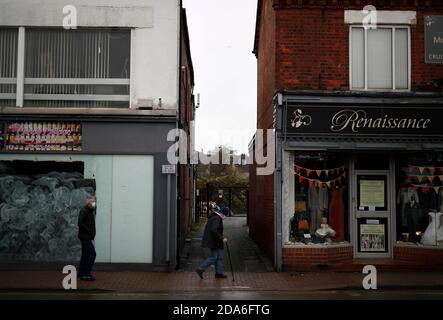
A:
(246, 255)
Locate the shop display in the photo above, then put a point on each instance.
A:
(433, 235)
(43, 136)
(319, 197)
(420, 198)
(325, 233)
(38, 216)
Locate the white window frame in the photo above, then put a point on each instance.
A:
(365, 30)
(20, 96)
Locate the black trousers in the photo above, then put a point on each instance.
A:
(87, 259)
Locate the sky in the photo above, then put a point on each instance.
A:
(222, 38)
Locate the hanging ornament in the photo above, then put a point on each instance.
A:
(318, 173)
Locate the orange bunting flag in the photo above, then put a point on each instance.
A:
(318, 173)
(425, 189)
(431, 178)
(431, 170)
(308, 172)
(301, 179)
(420, 178)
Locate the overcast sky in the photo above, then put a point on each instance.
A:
(222, 38)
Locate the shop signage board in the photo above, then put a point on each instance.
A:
(368, 120)
(43, 136)
(434, 39)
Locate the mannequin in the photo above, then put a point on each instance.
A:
(318, 202)
(434, 232)
(325, 232)
(405, 194)
(412, 213)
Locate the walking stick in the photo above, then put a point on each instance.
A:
(230, 262)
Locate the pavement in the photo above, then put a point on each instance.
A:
(254, 279)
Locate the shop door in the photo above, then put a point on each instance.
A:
(371, 214)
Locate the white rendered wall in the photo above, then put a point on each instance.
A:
(155, 46)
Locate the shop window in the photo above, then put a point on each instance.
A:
(420, 199)
(39, 207)
(319, 211)
(380, 58)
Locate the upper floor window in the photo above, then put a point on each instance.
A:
(380, 58)
(8, 66)
(72, 68)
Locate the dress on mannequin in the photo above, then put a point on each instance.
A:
(337, 213)
(434, 232)
(403, 198)
(318, 202)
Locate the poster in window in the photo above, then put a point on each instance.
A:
(43, 136)
(372, 191)
(372, 238)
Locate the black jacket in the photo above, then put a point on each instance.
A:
(213, 234)
(86, 224)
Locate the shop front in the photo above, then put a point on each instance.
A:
(49, 166)
(361, 180)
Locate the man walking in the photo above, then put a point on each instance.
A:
(214, 240)
(86, 234)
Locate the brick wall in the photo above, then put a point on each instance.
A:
(261, 196)
(312, 44)
(419, 255)
(301, 259)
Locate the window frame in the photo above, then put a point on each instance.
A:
(365, 32)
(20, 80)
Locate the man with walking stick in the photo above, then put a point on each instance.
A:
(214, 240)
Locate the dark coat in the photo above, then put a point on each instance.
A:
(86, 224)
(213, 234)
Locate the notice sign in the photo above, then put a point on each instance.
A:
(372, 238)
(372, 193)
(434, 39)
(43, 136)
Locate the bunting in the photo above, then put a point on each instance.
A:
(426, 188)
(339, 181)
(327, 172)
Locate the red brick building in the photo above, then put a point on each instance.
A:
(354, 94)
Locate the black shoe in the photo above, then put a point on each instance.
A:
(221, 276)
(200, 273)
(87, 278)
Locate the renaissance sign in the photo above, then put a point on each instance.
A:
(434, 39)
(389, 120)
